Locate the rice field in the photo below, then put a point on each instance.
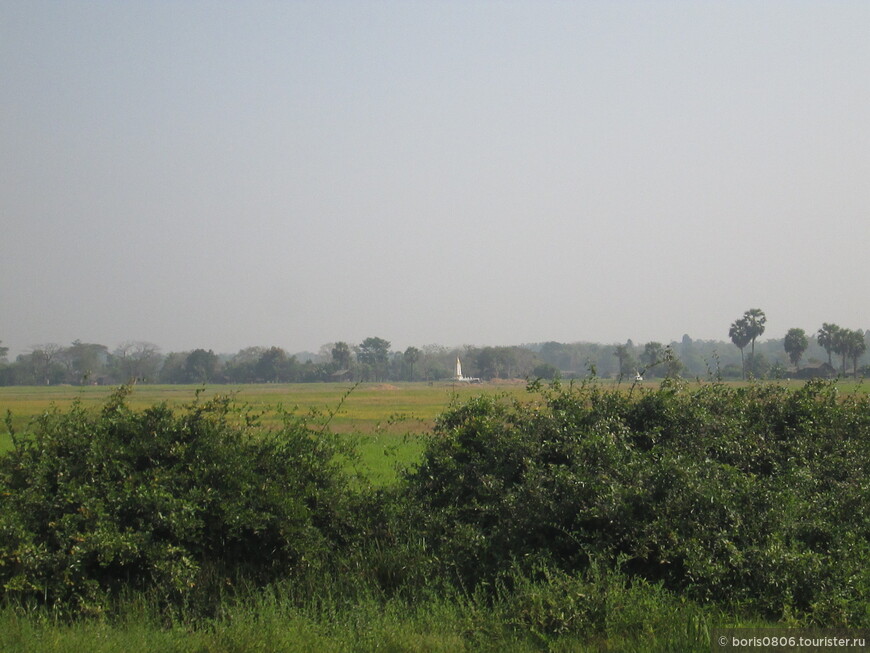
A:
(387, 421)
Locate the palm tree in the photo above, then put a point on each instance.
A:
(755, 320)
(826, 337)
(741, 336)
(795, 344)
(857, 348)
(849, 344)
(840, 344)
(410, 357)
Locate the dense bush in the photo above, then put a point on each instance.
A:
(557, 511)
(181, 506)
(755, 496)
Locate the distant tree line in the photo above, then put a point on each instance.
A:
(797, 355)
(849, 344)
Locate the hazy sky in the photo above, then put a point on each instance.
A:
(221, 175)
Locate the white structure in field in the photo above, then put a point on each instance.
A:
(464, 379)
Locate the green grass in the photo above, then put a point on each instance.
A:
(366, 408)
(623, 618)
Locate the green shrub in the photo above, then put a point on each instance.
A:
(754, 496)
(182, 506)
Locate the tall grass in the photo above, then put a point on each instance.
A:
(558, 614)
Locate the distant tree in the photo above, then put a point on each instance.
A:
(692, 358)
(241, 367)
(488, 363)
(502, 362)
(795, 345)
(740, 335)
(341, 355)
(45, 362)
(673, 364)
(557, 354)
(272, 366)
(755, 321)
(826, 338)
(201, 366)
(437, 361)
(625, 357)
(374, 354)
(545, 371)
(653, 354)
(136, 360)
(249, 355)
(856, 347)
(840, 344)
(849, 344)
(410, 358)
(85, 361)
(509, 360)
(173, 368)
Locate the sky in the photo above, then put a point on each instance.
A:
(231, 174)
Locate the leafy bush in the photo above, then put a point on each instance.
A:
(574, 513)
(755, 495)
(179, 505)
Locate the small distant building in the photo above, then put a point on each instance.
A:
(823, 371)
(341, 375)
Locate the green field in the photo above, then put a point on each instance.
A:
(387, 421)
(369, 409)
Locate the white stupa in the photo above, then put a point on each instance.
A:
(465, 379)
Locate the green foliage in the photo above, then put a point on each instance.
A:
(749, 495)
(179, 505)
(795, 344)
(373, 354)
(828, 338)
(573, 518)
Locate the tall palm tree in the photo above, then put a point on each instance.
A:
(841, 346)
(849, 344)
(755, 320)
(826, 338)
(741, 336)
(857, 346)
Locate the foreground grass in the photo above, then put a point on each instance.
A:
(613, 616)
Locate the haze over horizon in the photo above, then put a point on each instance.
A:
(224, 175)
